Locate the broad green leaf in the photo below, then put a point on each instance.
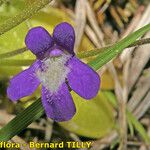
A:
(26, 13)
(14, 39)
(11, 8)
(94, 118)
(107, 81)
(14, 62)
(9, 71)
(48, 18)
(85, 45)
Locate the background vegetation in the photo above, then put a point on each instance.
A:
(119, 117)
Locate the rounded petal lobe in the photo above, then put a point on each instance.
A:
(58, 106)
(23, 84)
(64, 36)
(83, 79)
(38, 40)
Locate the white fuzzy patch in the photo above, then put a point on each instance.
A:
(55, 72)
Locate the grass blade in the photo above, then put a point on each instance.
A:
(117, 48)
(22, 120)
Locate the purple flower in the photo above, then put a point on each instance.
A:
(57, 69)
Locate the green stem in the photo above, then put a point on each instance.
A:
(84, 54)
(24, 15)
(99, 50)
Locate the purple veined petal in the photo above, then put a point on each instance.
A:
(38, 40)
(59, 106)
(64, 36)
(83, 79)
(23, 84)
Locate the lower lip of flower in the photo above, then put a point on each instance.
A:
(53, 72)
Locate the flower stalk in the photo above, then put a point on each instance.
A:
(80, 55)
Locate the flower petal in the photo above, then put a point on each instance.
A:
(23, 84)
(38, 40)
(64, 36)
(83, 79)
(58, 106)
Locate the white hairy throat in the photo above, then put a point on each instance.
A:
(54, 72)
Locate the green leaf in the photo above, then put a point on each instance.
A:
(22, 120)
(114, 143)
(93, 118)
(26, 13)
(130, 125)
(138, 126)
(8, 71)
(111, 97)
(12, 62)
(14, 39)
(117, 48)
(11, 8)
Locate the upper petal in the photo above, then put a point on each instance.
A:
(58, 106)
(23, 84)
(83, 79)
(64, 36)
(38, 40)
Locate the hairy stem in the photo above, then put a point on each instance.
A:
(81, 54)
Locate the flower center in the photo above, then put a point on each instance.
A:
(53, 72)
